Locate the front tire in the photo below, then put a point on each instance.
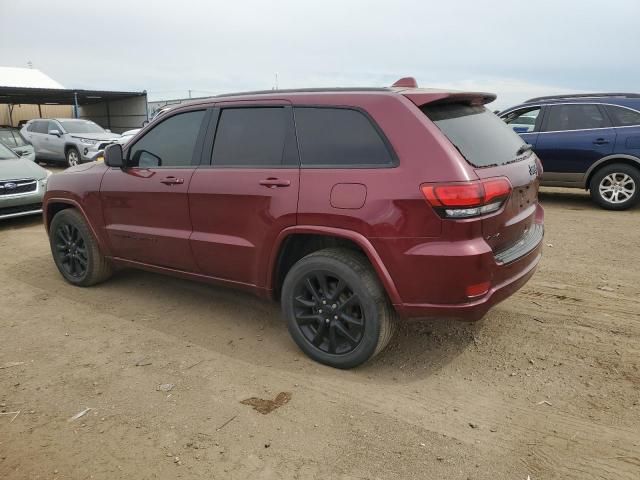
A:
(73, 157)
(616, 186)
(336, 309)
(75, 250)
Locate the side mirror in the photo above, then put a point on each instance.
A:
(108, 130)
(55, 132)
(113, 156)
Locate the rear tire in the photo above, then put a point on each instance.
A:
(336, 309)
(75, 250)
(615, 186)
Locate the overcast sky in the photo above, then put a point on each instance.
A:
(516, 49)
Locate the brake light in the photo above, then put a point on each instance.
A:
(467, 199)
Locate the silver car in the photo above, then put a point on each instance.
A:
(22, 185)
(70, 140)
(13, 139)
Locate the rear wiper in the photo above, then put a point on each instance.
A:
(524, 148)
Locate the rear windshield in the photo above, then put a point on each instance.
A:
(481, 137)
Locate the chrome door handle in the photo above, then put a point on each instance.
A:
(172, 181)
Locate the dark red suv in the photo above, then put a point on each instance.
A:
(352, 207)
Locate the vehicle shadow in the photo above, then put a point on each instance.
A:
(574, 199)
(20, 222)
(247, 328)
(244, 327)
(421, 348)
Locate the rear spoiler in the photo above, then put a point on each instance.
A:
(422, 97)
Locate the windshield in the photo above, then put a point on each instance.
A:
(480, 136)
(6, 154)
(81, 126)
(12, 138)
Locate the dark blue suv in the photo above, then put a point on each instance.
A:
(589, 141)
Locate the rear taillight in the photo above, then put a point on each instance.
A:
(467, 199)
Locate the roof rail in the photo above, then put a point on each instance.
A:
(304, 90)
(584, 95)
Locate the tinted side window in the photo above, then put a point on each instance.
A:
(40, 126)
(251, 137)
(523, 121)
(169, 144)
(623, 117)
(339, 137)
(575, 117)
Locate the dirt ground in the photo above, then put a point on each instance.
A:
(176, 375)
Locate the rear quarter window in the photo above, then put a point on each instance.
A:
(623, 117)
(482, 138)
(339, 137)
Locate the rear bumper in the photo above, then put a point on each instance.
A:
(436, 275)
(476, 309)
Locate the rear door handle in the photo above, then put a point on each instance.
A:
(273, 182)
(600, 141)
(172, 181)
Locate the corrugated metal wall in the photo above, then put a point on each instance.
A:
(117, 115)
(27, 112)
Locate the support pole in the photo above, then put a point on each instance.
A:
(108, 115)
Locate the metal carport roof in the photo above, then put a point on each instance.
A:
(60, 96)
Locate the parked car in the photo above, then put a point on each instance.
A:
(128, 135)
(70, 140)
(589, 141)
(22, 185)
(13, 139)
(373, 204)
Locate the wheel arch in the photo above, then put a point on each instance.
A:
(56, 205)
(287, 251)
(68, 146)
(608, 160)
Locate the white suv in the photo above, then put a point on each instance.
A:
(67, 139)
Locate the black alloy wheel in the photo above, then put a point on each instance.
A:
(328, 313)
(75, 250)
(337, 311)
(71, 250)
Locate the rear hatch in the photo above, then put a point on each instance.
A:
(494, 150)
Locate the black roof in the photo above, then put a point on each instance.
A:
(584, 96)
(61, 96)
